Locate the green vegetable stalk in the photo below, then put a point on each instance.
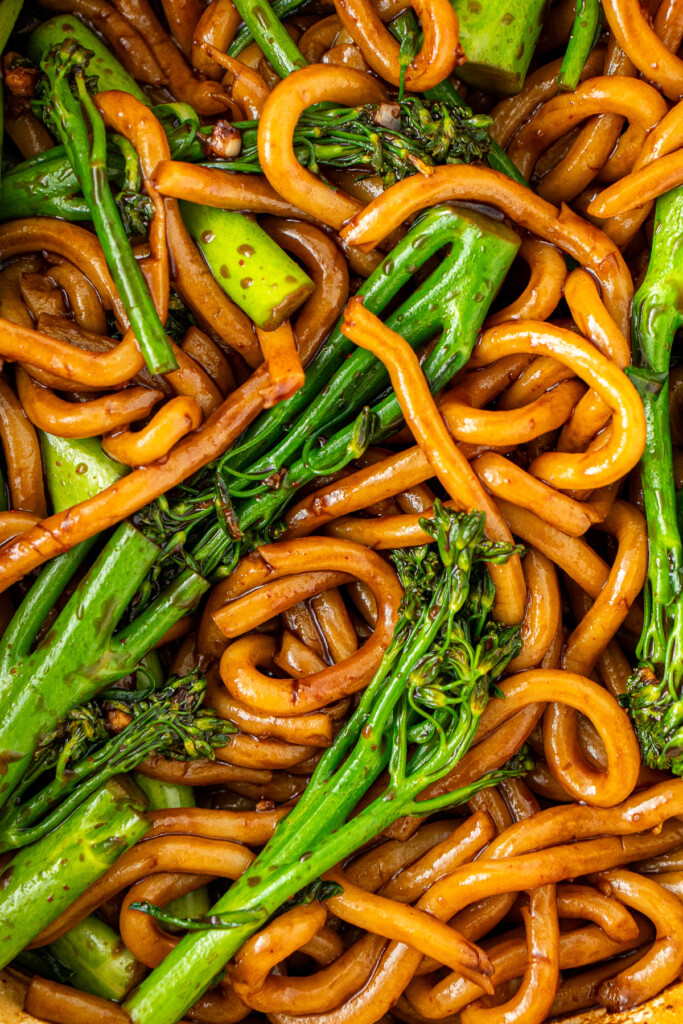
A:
(82, 755)
(96, 960)
(499, 42)
(76, 469)
(162, 795)
(254, 271)
(584, 35)
(271, 35)
(392, 140)
(243, 36)
(102, 65)
(74, 118)
(46, 185)
(43, 880)
(81, 653)
(417, 718)
(453, 300)
(330, 421)
(654, 694)
(406, 29)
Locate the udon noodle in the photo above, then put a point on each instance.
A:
(548, 893)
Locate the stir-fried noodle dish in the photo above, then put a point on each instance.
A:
(341, 410)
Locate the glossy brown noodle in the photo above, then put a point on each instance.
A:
(539, 897)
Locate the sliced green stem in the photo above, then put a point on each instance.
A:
(59, 674)
(43, 880)
(89, 160)
(281, 9)
(76, 469)
(454, 299)
(413, 686)
(499, 41)
(162, 795)
(266, 28)
(98, 960)
(21, 633)
(254, 271)
(133, 642)
(655, 697)
(584, 35)
(657, 316)
(103, 65)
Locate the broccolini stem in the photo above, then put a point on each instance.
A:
(170, 722)
(80, 654)
(67, 115)
(254, 271)
(430, 692)
(243, 36)
(584, 35)
(71, 858)
(20, 634)
(47, 185)
(278, 47)
(97, 960)
(102, 66)
(35, 695)
(405, 26)
(455, 298)
(657, 316)
(654, 693)
(162, 795)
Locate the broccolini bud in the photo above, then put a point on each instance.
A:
(392, 140)
(657, 716)
(82, 752)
